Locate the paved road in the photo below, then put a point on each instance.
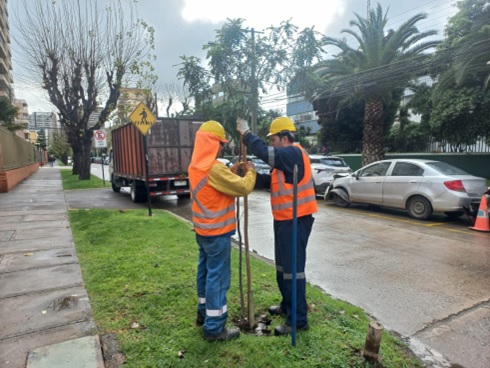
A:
(428, 281)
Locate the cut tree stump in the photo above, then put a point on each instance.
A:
(373, 341)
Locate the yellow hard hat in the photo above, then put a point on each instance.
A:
(215, 128)
(280, 124)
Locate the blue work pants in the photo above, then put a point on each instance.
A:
(213, 281)
(283, 253)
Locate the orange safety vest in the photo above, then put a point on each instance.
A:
(282, 193)
(213, 213)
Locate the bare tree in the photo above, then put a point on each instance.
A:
(176, 99)
(81, 53)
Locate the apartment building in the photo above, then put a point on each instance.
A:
(42, 120)
(6, 79)
(22, 118)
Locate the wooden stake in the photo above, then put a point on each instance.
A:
(373, 341)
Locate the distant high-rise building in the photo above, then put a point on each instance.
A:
(42, 120)
(6, 79)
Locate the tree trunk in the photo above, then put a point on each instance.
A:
(77, 162)
(373, 135)
(84, 173)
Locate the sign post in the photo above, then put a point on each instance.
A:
(144, 119)
(100, 139)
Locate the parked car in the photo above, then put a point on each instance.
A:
(419, 186)
(224, 160)
(260, 166)
(323, 168)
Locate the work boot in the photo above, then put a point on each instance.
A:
(276, 310)
(286, 329)
(225, 335)
(199, 319)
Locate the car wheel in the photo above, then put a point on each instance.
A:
(419, 208)
(339, 201)
(454, 215)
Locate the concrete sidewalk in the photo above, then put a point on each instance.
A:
(46, 319)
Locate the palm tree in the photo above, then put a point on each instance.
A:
(383, 62)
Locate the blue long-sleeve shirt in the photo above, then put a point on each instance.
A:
(283, 159)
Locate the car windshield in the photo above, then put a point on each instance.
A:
(446, 168)
(336, 162)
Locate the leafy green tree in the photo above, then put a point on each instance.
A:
(41, 139)
(455, 110)
(8, 112)
(374, 72)
(466, 49)
(81, 52)
(59, 146)
(243, 63)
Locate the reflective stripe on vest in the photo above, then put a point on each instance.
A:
(207, 214)
(282, 194)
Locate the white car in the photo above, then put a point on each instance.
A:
(323, 169)
(419, 186)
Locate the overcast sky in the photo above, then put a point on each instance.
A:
(182, 27)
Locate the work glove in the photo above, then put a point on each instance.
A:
(242, 126)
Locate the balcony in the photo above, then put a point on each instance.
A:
(4, 82)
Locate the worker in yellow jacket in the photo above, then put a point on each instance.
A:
(213, 189)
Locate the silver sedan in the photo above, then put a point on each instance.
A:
(419, 186)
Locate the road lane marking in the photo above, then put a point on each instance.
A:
(474, 233)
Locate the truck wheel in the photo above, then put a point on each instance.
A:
(115, 188)
(138, 193)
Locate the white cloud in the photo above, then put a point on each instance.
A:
(260, 14)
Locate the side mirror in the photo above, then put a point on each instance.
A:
(356, 175)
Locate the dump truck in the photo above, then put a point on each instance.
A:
(170, 143)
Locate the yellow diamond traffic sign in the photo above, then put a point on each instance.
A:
(143, 118)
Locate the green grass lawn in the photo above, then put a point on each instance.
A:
(71, 181)
(139, 272)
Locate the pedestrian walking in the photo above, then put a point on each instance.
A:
(282, 155)
(213, 189)
(51, 160)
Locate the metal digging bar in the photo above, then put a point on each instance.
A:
(250, 297)
(295, 251)
(250, 300)
(240, 262)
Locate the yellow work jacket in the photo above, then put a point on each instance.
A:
(282, 193)
(214, 188)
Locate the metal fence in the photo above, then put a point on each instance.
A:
(425, 145)
(15, 152)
